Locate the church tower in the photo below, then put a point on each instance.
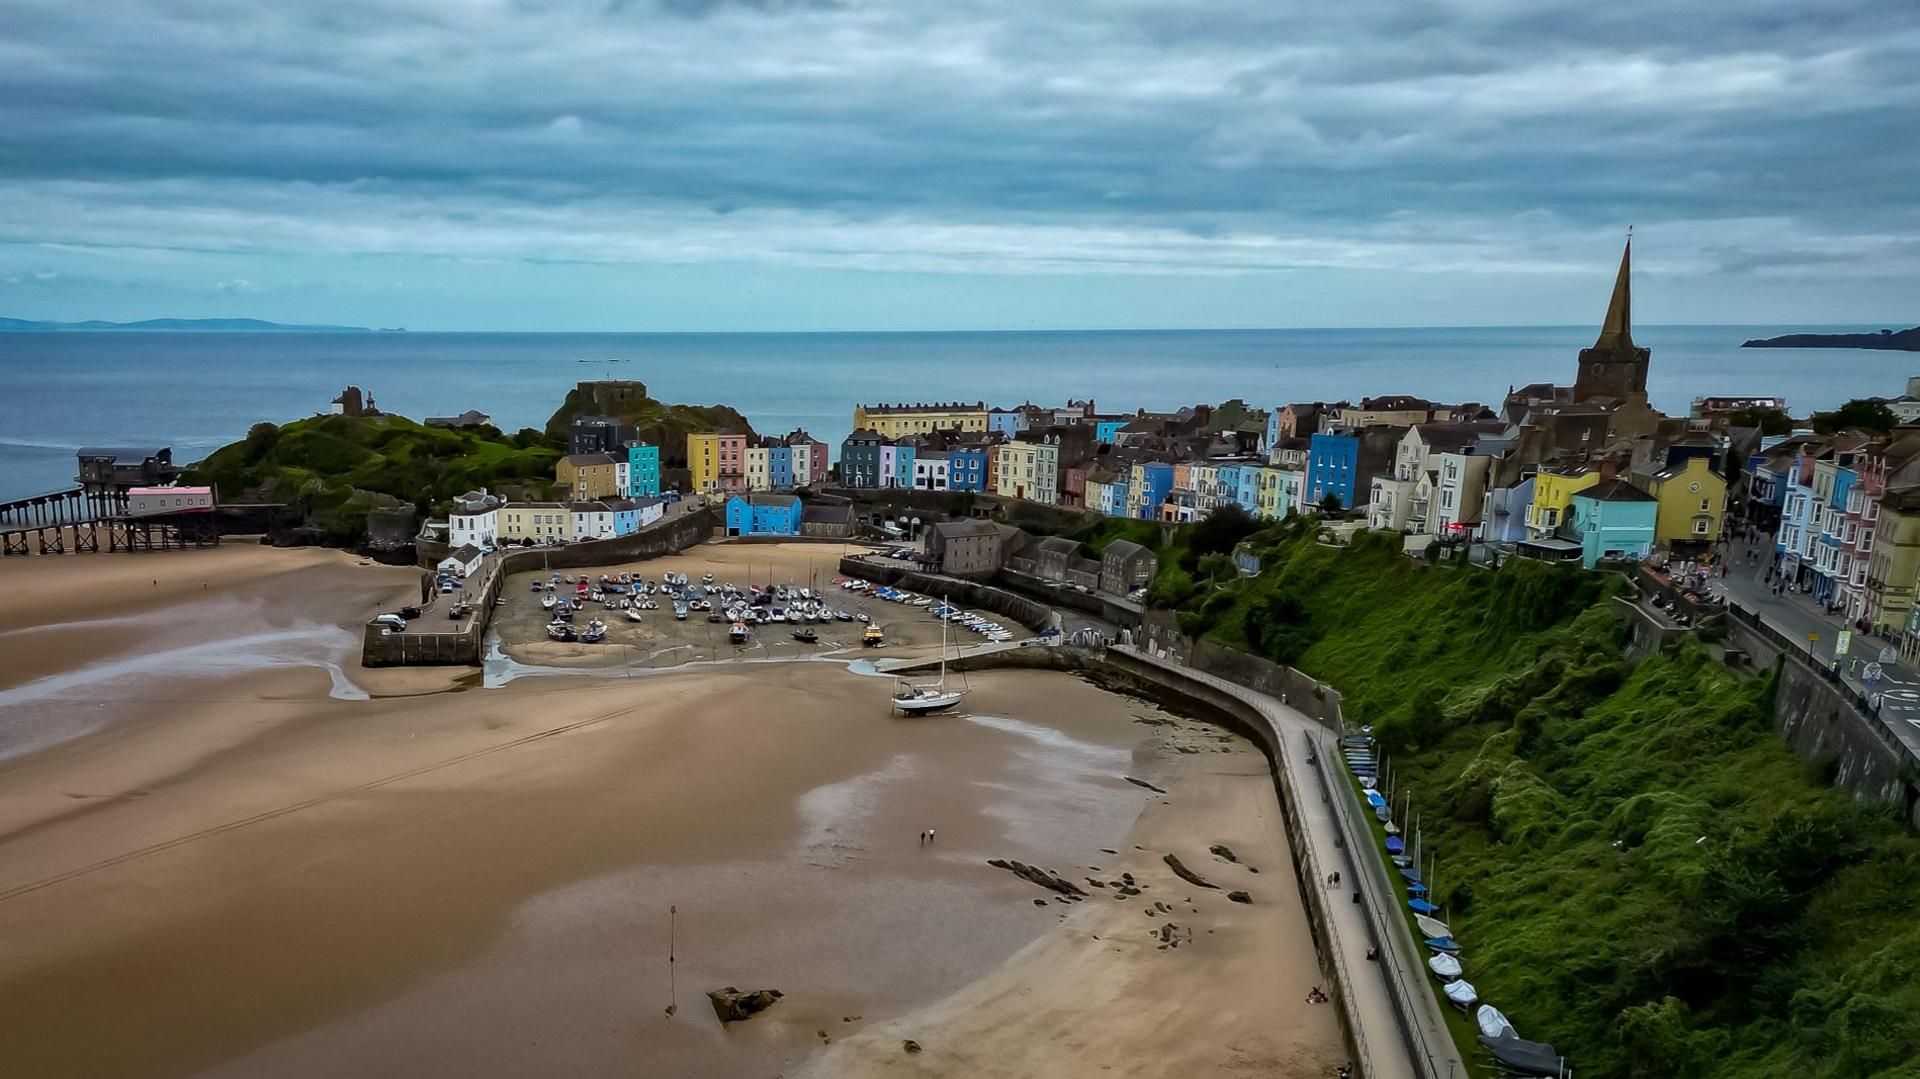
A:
(1615, 366)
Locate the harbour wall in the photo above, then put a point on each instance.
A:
(1033, 615)
(466, 646)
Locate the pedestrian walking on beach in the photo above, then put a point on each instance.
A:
(923, 837)
(1336, 878)
(929, 837)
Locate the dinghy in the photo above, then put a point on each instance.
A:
(1492, 1023)
(1445, 966)
(1432, 927)
(1396, 845)
(1421, 906)
(1461, 993)
(1524, 1057)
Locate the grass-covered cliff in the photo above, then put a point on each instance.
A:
(333, 469)
(1640, 870)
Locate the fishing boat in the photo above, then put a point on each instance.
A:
(925, 697)
(737, 633)
(1444, 966)
(1461, 993)
(1492, 1024)
(806, 636)
(873, 636)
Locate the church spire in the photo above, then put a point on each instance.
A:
(1616, 331)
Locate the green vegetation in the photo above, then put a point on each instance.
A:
(1770, 421)
(1867, 414)
(331, 470)
(1642, 873)
(663, 425)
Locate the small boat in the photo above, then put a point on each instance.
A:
(1375, 799)
(1411, 876)
(559, 631)
(1421, 906)
(1443, 944)
(595, 632)
(873, 636)
(538, 587)
(1432, 927)
(633, 615)
(1525, 1057)
(548, 601)
(737, 633)
(679, 611)
(1392, 828)
(1401, 860)
(1492, 1024)
(806, 636)
(1461, 993)
(842, 616)
(1445, 966)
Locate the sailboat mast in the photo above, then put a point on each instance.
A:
(943, 646)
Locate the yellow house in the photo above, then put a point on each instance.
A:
(1893, 566)
(535, 521)
(589, 476)
(899, 421)
(1028, 470)
(1553, 491)
(1692, 497)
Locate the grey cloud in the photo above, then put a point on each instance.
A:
(1139, 134)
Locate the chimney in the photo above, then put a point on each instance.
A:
(1607, 468)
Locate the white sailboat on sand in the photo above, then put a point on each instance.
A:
(928, 697)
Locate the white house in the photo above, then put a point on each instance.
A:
(650, 510)
(463, 562)
(475, 520)
(592, 520)
(930, 470)
(146, 500)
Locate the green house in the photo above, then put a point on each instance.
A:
(1612, 519)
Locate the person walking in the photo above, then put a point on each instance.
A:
(929, 837)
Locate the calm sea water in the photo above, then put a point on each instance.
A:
(196, 392)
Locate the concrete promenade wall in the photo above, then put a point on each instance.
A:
(467, 646)
(1117, 611)
(1391, 1021)
(1034, 616)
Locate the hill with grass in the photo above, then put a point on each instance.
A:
(332, 470)
(664, 425)
(1639, 869)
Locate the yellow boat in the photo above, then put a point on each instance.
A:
(874, 635)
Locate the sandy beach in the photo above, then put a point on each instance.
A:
(266, 867)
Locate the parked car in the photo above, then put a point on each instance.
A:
(391, 621)
(409, 612)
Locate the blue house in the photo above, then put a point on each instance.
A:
(780, 466)
(1612, 519)
(1007, 421)
(1151, 483)
(1246, 493)
(763, 514)
(1506, 512)
(967, 468)
(904, 453)
(1333, 463)
(1107, 432)
(643, 470)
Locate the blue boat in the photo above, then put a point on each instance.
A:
(1443, 944)
(1375, 799)
(1412, 876)
(1416, 889)
(1396, 845)
(1421, 906)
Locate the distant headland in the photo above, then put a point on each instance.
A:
(179, 325)
(1891, 340)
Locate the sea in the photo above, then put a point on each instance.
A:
(197, 391)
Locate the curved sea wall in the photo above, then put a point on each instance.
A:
(1035, 616)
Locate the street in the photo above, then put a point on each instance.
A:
(1799, 618)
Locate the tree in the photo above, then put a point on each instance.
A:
(1221, 529)
(1330, 505)
(1770, 421)
(1869, 414)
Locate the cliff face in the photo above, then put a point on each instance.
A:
(664, 425)
(1891, 340)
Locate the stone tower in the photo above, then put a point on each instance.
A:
(1615, 366)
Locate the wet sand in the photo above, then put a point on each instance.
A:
(255, 877)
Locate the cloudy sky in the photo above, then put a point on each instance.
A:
(861, 164)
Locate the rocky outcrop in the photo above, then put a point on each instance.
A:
(1893, 340)
(731, 1005)
(1188, 875)
(1049, 881)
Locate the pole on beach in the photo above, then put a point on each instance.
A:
(673, 989)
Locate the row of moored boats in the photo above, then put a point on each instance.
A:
(1510, 1051)
(978, 623)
